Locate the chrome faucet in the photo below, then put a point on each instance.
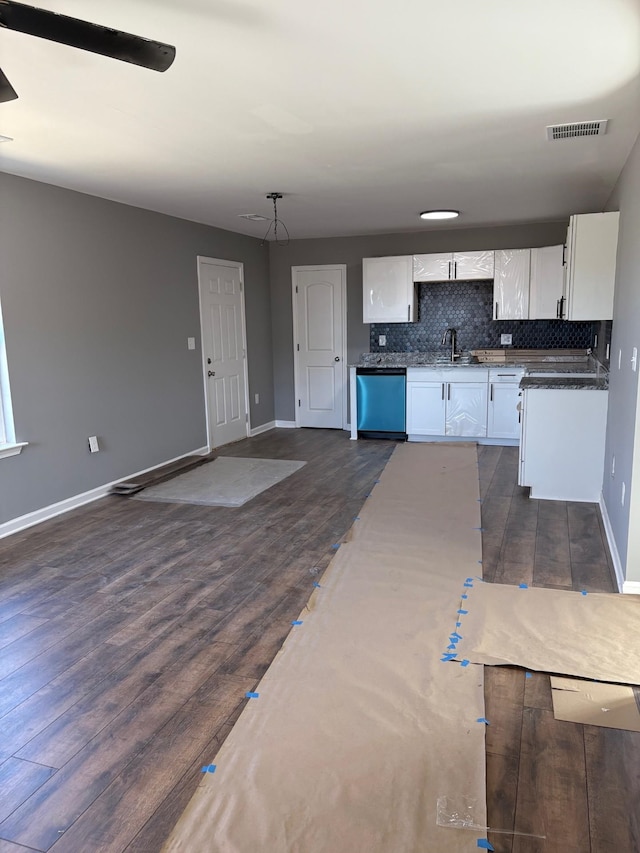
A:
(453, 334)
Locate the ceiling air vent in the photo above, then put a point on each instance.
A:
(577, 128)
(252, 217)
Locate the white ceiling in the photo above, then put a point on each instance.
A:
(362, 112)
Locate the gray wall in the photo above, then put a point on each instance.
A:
(98, 301)
(350, 251)
(623, 425)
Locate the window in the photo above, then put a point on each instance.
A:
(8, 444)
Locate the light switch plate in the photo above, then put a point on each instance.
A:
(382, 340)
(94, 447)
(506, 340)
(191, 343)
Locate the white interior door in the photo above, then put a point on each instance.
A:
(319, 304)
(223, 350)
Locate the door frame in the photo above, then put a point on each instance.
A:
(240, 267)
(343, 354)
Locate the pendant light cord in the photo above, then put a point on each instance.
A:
(275, 222)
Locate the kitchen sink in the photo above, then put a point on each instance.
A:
(465, 358)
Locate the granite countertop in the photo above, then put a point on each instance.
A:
(566, 383)
(547, 363)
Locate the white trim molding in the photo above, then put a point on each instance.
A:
(262, 428)
(15, 525)
(286, 425)
(613, 548)
(12, 448)
(631, 587)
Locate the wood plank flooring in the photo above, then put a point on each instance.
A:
(130, 632)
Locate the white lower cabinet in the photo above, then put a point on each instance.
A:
(504, 399)
(466, 409)
(425, 408)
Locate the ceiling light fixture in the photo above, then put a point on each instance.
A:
(275, 222)
(439, 214)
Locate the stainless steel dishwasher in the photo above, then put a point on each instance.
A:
(382, 402)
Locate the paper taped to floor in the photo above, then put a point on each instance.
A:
(359, 727)
(596, 703)
(550, 630)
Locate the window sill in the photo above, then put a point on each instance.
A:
(12, 449)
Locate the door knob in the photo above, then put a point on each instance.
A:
(211, 372)
(337, 358)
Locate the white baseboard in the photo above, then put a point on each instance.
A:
(15, 525)
(262, 428)
(631, 587)
(286, 424)
(615, 555)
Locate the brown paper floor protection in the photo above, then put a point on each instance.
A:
(589, 636)
(359, 726)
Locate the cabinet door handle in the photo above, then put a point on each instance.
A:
(496, 317)
(408, 313)
(562, 307)
(443, 390)
(449, 391)
(491, 394)
(558, 310)
(455, 269)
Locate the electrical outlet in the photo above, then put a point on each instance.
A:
(94, 447)
(191, 343)
(256, 397)
(382, 340)
(624, 489)
(506, 340)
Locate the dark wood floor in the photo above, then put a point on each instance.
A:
(130, 632)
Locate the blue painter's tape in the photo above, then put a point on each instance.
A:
(528, 675)
(451, 647)
(356, 518)
(583, 592)
(458, 624)
(456, 635)
(316, 584)
(483, 720)
(477, 528)
(297, 622)
(480, 561)
(523, 586)
(336, 546)
(209, 768)
(463, 612)
(465, 662)
(376, 481)
(251, 695)
(446, 656)
(469, 580)
(485, 844)
(464, 594)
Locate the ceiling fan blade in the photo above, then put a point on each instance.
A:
(7, 92)
(86, 36)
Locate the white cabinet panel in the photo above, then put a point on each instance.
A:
(425, 408)
(511, 284)
(504, 417)
(453, 266)
(466, 409)
(592, 243)
(434, 267)
(546, 289)
(473, 265)
(388, 291)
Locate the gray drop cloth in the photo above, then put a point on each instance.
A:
(226, 481)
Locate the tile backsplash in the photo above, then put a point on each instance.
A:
(467, 306)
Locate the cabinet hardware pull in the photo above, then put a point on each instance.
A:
(408, 313)
(449, 269)
(455, 269)
(496, 311)
(506, 374)
(558, 310)
(449, 391)
(562, 307)
(491, 395)
(443, 390)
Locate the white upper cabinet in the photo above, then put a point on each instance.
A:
(546, 289)
(434, 267)
(453, 266)
(388, 292)
(471, 265)
(511, 284)
(592, 242)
